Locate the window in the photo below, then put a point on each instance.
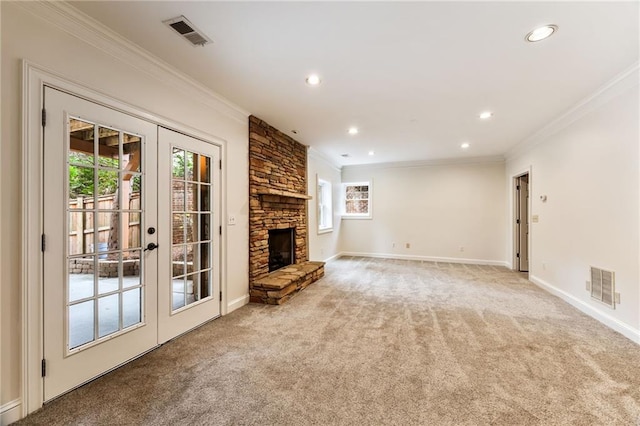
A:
(357, 200)
(325, 212)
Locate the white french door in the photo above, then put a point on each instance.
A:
(189, 223)
(131, 259)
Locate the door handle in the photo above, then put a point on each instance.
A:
(151, 247)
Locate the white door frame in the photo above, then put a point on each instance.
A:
(512, 219)
(34, 78)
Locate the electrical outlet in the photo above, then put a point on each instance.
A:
(393, 245)
(408, 245)
(461, 249)
(535, 218)
(231, 220)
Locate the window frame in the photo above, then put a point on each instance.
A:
(324, 188)
(369, 214)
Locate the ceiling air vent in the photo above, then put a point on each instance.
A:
(187, 30)
(603, 286)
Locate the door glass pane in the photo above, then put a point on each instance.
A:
(191, 162)
(205, 197)
(104, 216)
(108, 190)
(205, 284)
(81, 146)
(108, 232)
(191, 227)
(131, 152)
(192, 197)
(178, 163)
(205, 232)
(131, 307)
(81, 185)
(205, 172)
(77, 232)
(179, 260)
(109, 148)
(177, 230)
(108, 280)
(131, 268)
(178, 290)
(205, 250)
(178, 196)
(193, 288)
(190, 231)
(81, 279)
(81, 323)
(108, 314)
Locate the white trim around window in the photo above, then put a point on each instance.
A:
(324, 199)
(357, 200)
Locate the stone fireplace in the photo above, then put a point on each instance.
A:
(277, 216)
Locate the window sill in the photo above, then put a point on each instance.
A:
(358, 217)
(324, 231)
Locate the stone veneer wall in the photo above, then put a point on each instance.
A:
(277, 163)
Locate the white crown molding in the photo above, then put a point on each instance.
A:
(315, 154)
(69, 19)
(498, 159)
(615, 87)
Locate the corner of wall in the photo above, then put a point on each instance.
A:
(10, 412)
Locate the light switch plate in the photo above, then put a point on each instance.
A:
(535, 218)
(231, 220)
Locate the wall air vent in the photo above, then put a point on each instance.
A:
(603, 286)
(187, 30)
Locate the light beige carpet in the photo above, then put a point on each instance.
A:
(380, 342)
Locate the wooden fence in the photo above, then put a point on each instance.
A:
(81, 223)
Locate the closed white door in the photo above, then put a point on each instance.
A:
(131, 238)
(100, 285)
(189, 233)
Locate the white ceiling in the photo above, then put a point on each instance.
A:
(411, 76)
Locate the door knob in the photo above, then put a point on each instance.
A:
(151, 247)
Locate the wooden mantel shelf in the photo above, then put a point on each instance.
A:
(270, 191)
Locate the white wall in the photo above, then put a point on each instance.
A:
(589, 172)
(436, 208)
(326, 245)
(24, 36)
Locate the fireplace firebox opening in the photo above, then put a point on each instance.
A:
(282, 248)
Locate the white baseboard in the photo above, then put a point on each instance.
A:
(427, 258)
(237, 303)
(10, 412)
(335, 256)
(606, 319)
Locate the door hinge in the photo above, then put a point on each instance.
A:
(44, 117)
(43, 242)
(220, 230)
(518, 255)
(518, 221)
(221, 296)
(518, 187)
(220, 164)
(44, 367)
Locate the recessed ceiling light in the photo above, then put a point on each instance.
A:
(353, 130)
(371, 153)
(485, 115)
(465, 145)
(541, 33)
(313, 80)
